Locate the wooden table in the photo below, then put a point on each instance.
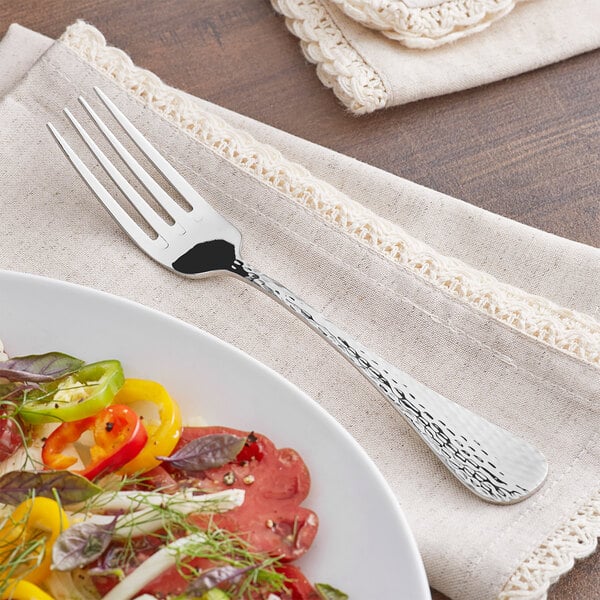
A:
(526, 148)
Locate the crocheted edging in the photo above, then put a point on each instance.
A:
(571, 332)
(576, 539)
(339, 67)
(429, 27)
(568, 331)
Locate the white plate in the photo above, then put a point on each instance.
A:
(363, 546)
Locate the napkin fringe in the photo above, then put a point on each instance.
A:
(429, 27)
(564, 330)
(576, 539)
(339, 66)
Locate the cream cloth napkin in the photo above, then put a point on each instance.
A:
(496, 315)
(368, 71)
(426, 23)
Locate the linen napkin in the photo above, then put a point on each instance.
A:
(426, 23)
(368, 71)
(500, 317)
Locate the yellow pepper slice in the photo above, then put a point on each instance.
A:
(162, 436)
(31, 518)
(24, 590)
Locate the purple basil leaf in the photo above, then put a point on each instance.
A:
(17, 486)
(207, 452)
(213, 577)
(39, 367)
(81, 544)
(328, 592)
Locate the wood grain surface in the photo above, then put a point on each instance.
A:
(526, 148)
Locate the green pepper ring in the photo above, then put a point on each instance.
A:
(108, 378)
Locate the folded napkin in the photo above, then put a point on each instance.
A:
(360, 46)
(426, 23)
(498, 316)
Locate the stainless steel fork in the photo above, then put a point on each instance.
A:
(490, 461)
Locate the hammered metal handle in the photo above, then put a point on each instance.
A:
(493, 463)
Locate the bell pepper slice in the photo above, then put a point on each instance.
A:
(30, 518)
(80, 395)
(162, 436)
(119, 436)
(24, 590)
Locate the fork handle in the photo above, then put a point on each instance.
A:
(493, 463)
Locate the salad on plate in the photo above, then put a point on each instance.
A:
(106, 493)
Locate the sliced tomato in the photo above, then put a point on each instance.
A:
(10, 436)
(158, 479)
(271, 519)
(275, 474)
(275, 480)
(299, 587)
(143, 548)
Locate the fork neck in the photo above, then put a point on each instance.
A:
(262, 282)
(257, 279)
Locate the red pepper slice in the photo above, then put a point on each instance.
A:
(119, 436)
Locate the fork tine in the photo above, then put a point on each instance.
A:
(121, 217)
(153, 219)
(172, 208)
(195, 200)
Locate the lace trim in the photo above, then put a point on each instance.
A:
(428, 27)
(575, 539)
(339, 66)
(565, 330)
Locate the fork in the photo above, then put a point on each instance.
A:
(493, 463)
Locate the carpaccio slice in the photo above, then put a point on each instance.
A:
(275, 480)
